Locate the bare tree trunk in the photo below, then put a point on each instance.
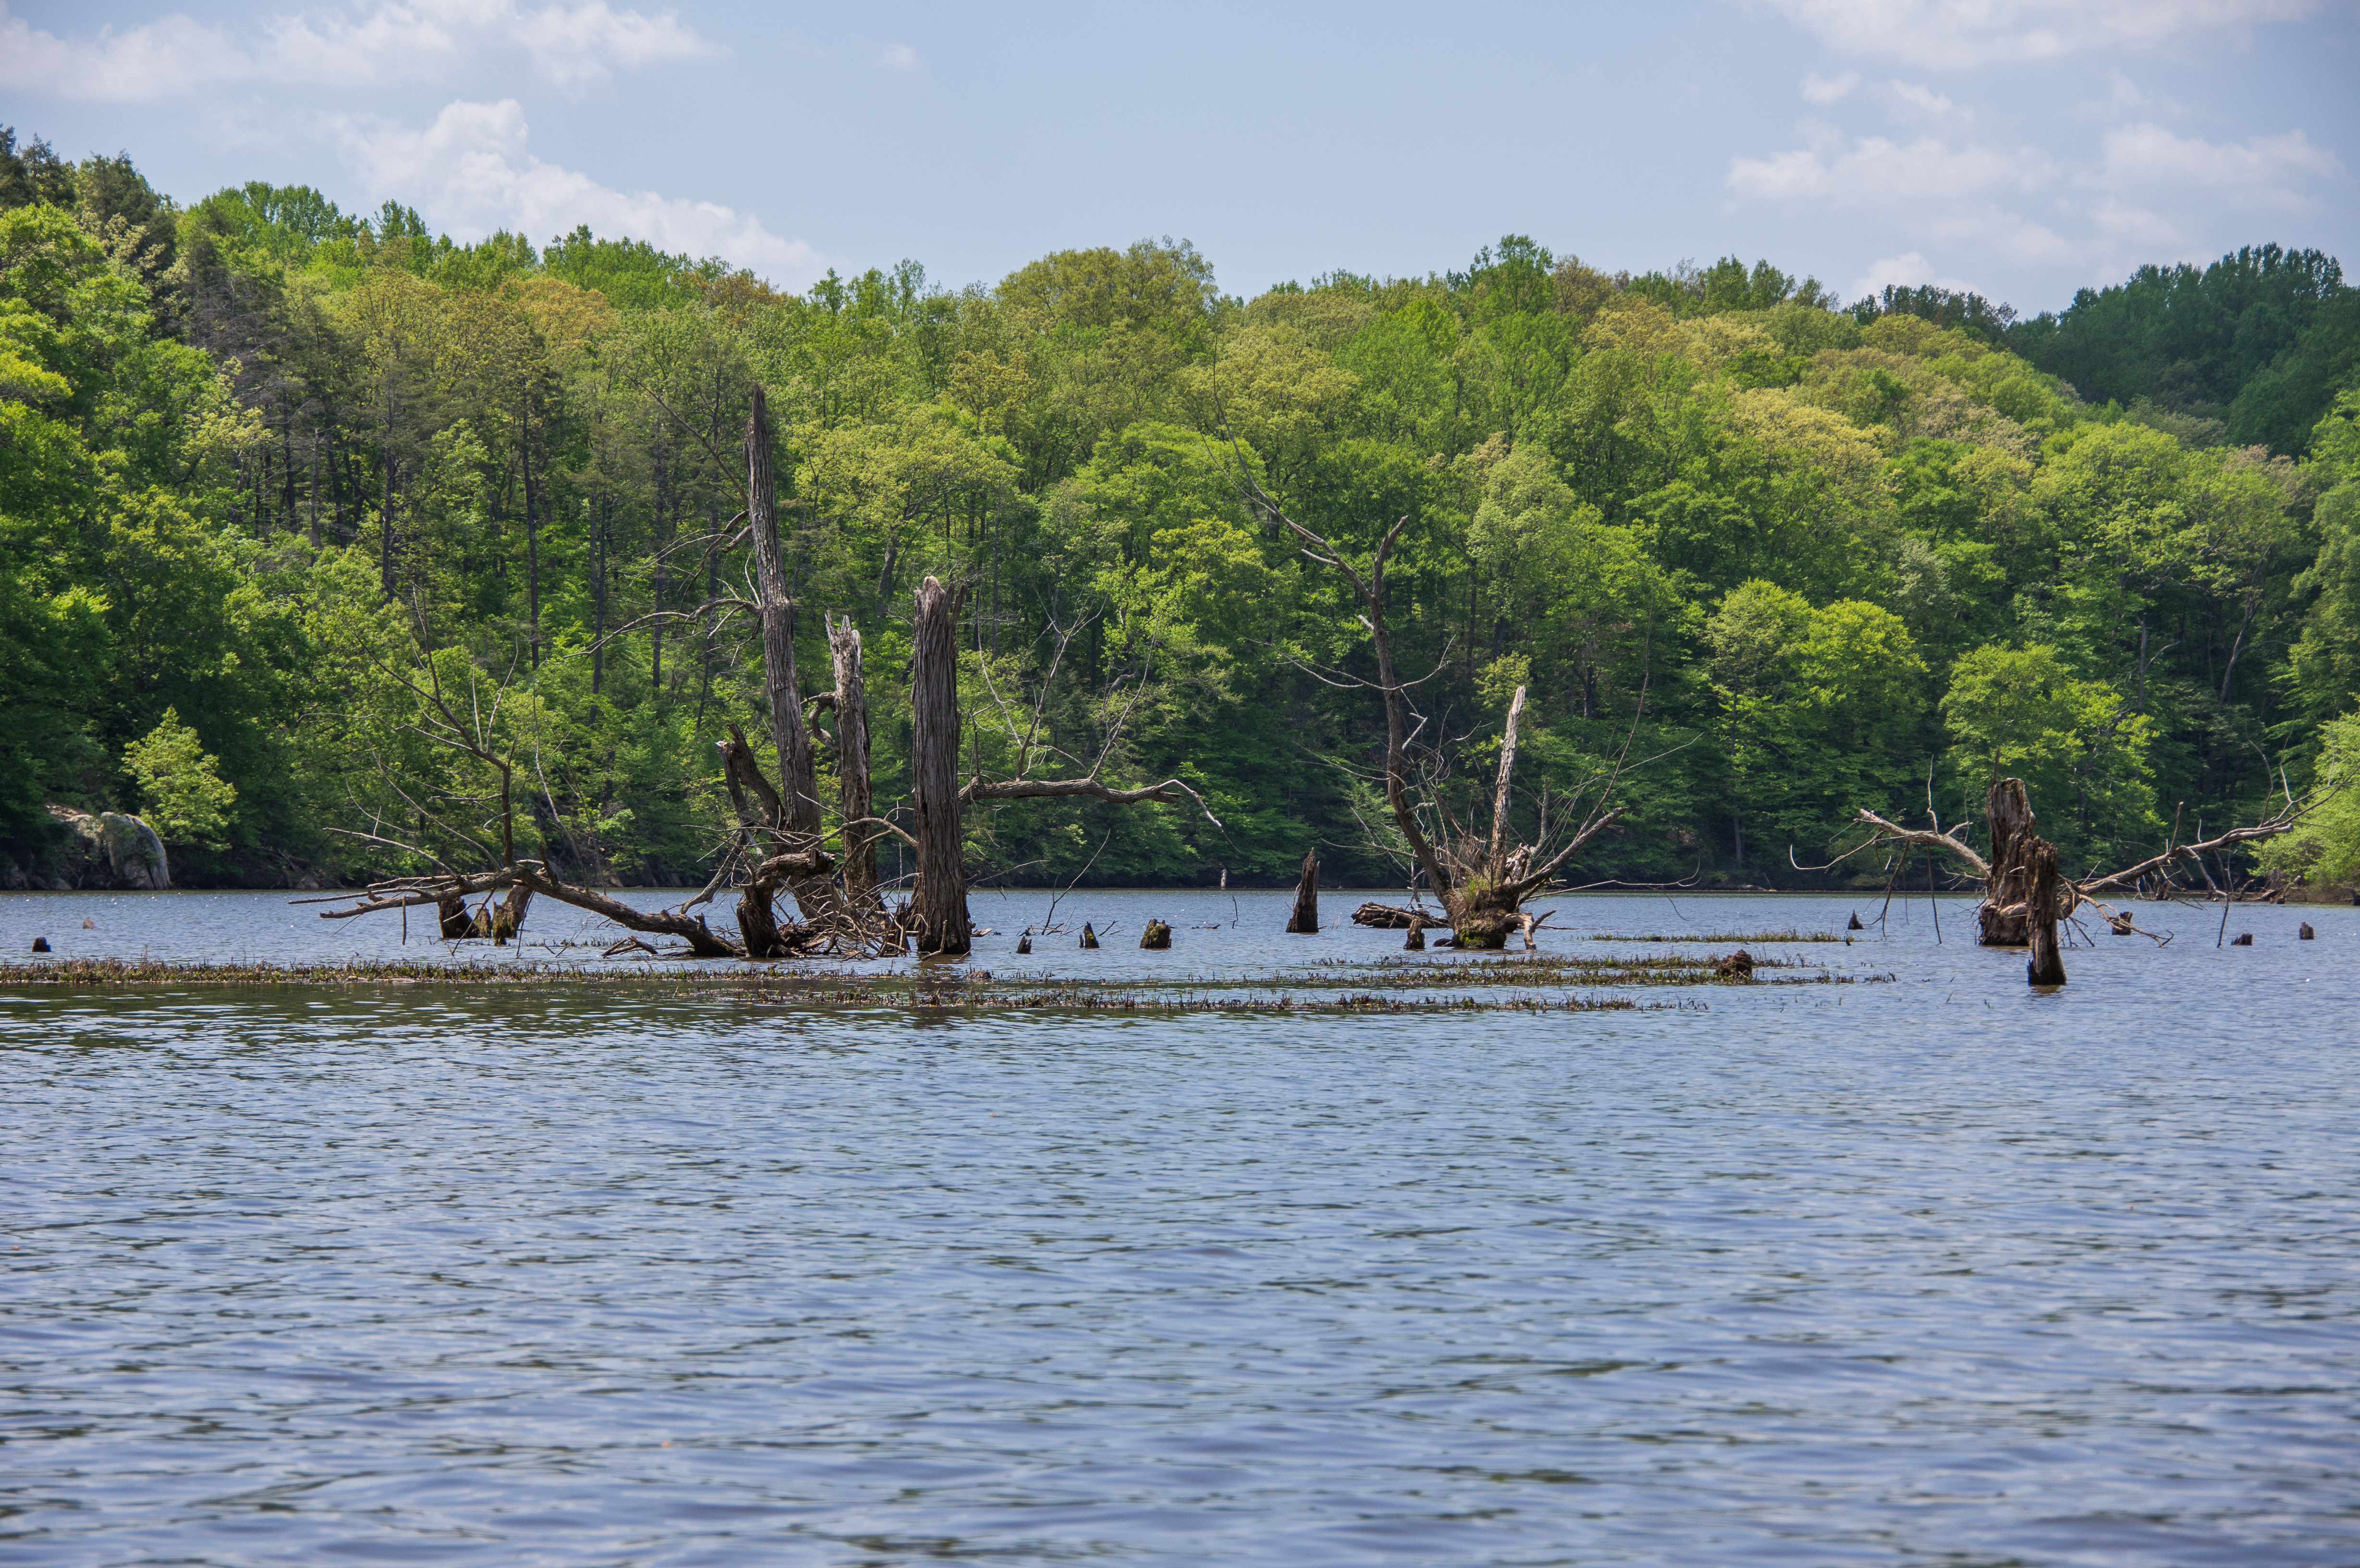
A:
(2048, 964)
(1494, 860)
(508, 919)
(2008, 812)
(1304, 921)
(531, 538)
(852, 767)
(798, 822)
(939, 905)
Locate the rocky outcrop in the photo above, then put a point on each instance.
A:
(107, 849)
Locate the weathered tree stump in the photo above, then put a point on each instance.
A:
(940, 902)
(1415, 941)
(1486, 914)
(1025, 942)
(1089, 937)
(1158, 935)
(2120, 924)
(1855, 924)
(1304, 920)
(2243, 939)
(2038, 858)
(452, 914)
(41, 944)
(2305, 933)
(2004, 919)
(1738, 965)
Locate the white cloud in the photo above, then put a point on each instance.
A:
(1910, 269)
(1829, 88)
(1951, 34)
(899, 56)
(2257, 174)
(573, 46)
(1914, 104)
(1876, 173)
(470, 173)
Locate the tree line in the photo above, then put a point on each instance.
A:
(265, 465)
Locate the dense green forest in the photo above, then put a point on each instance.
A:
(263, 461)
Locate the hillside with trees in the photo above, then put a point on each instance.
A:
(273, 477)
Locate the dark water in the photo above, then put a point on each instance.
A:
(1929, 1271)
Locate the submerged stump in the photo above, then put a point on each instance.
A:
(2038, 857)
(1305, 918)
(1158, 934)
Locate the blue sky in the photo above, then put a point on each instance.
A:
(2024, 149)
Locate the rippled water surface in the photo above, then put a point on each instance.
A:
(1924, 1270)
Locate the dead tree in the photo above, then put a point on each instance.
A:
(2037, 856)
(798, 820)
(2009, 915)
(1482, 879)
(1303, 920)
(851, 703)
(938, 916)
(2006, 915)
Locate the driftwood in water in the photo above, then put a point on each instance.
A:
(2042, 896)
(1303, 919)
(1395, 917)
(938, 908)
(536, 876)
(1157, 935)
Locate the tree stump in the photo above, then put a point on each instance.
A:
(2243, 939)
(1025, 942)
(1089, 937)
(1304, 921)
(1415, 941)
(940, 902)
(1158, 935)
(2004, 919)
(2120, 924)
(2305, 933)
(1856, 922)
(1486, 914)
(1738, 965)
(2038, 858)
(456, 924)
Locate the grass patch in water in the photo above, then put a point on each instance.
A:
(1389, 985)
(1790, 934)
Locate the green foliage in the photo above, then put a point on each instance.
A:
(182, 793)
(2082, 755)
(296, 481)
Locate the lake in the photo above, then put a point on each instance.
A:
(1925, 1268)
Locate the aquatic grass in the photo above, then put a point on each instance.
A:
(1547, 982)
(1740, 938)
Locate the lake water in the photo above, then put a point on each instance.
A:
(1932, 1269)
